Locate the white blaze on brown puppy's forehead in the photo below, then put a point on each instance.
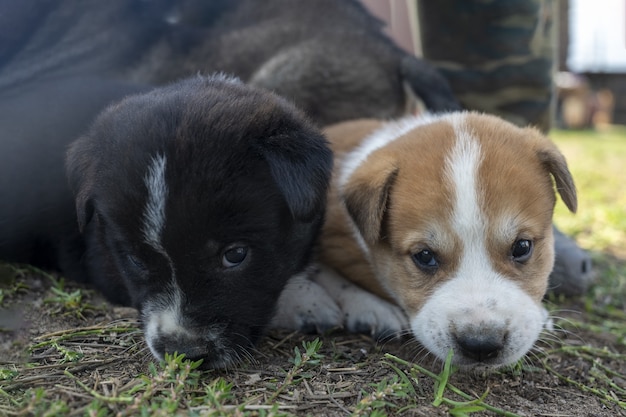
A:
(468, 219)
(461, 170)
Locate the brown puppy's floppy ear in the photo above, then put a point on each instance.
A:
(80, 174)
(555, 163)
(366, 195)
(301, 168)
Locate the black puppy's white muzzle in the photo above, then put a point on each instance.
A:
(205, 344)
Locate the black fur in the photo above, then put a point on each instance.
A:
(243, 169)
(59, 67)
(37, 218)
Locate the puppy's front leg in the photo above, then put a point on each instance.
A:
(363, 312)
(305, 306)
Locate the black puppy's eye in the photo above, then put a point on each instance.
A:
(522, 250)
(136, 263)
(426, 260)
(234, 256)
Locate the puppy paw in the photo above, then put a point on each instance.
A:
(363, 312)
(305, 306)
(369, 314)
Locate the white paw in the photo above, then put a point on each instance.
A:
(369, 314)
(363, 312)
(305, 306)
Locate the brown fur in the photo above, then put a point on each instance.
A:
(401, 201)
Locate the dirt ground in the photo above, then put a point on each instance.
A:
(108, 359)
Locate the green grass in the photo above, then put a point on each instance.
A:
(597, 161)
(301, 362)
(456, 408)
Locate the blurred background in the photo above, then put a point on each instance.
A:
(589, 54)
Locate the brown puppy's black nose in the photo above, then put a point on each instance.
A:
(480, 349)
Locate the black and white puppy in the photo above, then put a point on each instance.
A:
(197, 202)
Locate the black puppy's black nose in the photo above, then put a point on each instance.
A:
(480, 349)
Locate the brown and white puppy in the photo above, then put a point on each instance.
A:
(450, 218)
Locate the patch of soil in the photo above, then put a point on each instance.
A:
(352, 363)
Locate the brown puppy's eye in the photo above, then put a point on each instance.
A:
(522, 250)
(426, 260)
(234, 256)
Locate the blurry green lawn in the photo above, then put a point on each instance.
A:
(597, 161)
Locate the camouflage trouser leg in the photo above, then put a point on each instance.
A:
(498, 55)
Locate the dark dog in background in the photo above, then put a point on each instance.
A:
(197, 202)
(330, 57)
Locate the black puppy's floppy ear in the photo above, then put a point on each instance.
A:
(80, 174)
(366, 196)
(301, 167)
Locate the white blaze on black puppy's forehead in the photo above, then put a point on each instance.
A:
(163, 314)
(154, 212)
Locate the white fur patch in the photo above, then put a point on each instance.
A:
(363, 311)
(164, 319)
(154, 211)
(327, 300)
(462, 171)
(226, 78)
(163, 316)
(479, 306)
(304, 305)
